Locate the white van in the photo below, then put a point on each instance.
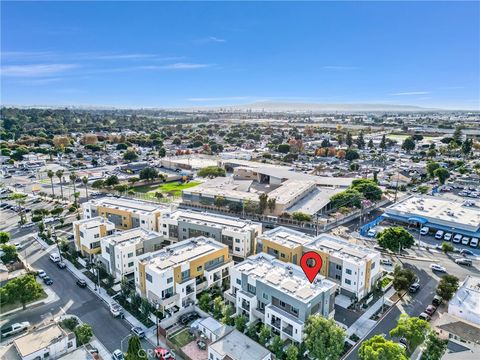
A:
(439, 235)
(474, 242)
(424, 230)
(465, 240)
(457, 238)
(55, 257)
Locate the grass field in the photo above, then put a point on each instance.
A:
(182, 338)
(173, 188)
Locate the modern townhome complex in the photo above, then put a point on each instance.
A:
(125, 213)
(279, 295)
(238, 234)
(173, 276)
(119, 250)
(87, 234)
(283, 243)
(355, 268)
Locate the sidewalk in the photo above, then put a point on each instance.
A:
(363, 325)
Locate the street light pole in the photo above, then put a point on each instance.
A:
(157, 306)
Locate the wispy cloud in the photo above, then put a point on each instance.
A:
(35, 70)
(339, 67)
(210, 39)
(77, 56)
(180, 66)
(408, 93)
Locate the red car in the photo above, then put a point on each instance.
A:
(163, 354)
(430, 310)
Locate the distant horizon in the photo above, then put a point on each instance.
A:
(221, 54)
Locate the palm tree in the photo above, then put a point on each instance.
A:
(85, 183)
(59, 174)
(73, 177)
(51, 174)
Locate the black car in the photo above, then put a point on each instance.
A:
(82, 283)
(47, 280)
(61, 265)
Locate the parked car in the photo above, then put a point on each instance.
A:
(438, 268)
(439, 235)
(116, 310)
(82, 283)
(372, 232)
(41, 273)
(47, 280)
(118, 355)
(474, 242)
(424, 316)
(163, 354)
(447, 236)
(14, 329)
(466, 252)
(430, 310)
(55, 257)
(457, 238)
(424, 230)
(18, 246)
(465, 240)
(462, 261)
(414, 287)
(386, 262)
(138, 332)
(437, 300)
(61, 265)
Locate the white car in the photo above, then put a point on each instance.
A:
(465, 240)
(41, 274)
(474, 242)
(439, 235)
(438, 268)
(18, 246)
(118, 355)
(447, 236)
(55, 257)
(457, 238)
(371, 233)
(424, 230)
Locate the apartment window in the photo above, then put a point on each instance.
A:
(239, 282)
(338, 267)
(185, 274)
(164, 233)
(95, 245)
(373, 266)
(143, 221)
(282, 304)
(110, 232)
(348, 271)
(169, 280)
(237, 241)
(130, 264)
(348, 282)
(294, 310)
(251, 289)
(130, 254)
(46, 355)
(211, 356)
(69, 344)
(81, 234)
(265, 296)
(148, 277)
(96, 236)
(282, 255)
(107, 250)
(237, 249)
(338, 277)
(164, 225)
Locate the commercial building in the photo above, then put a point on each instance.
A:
(238, 346)
(88, 232)
(125, 213)
(466, 301)
(238, 235)
(49, 342)
(354, 268)
(437, 213)
(119, 251)
(283, 243)
(279, 295)
(173, 276)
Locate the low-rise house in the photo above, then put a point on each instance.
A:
(173, 276)
(238, 235)
(88, 232)
(279, 295)
(237, 346)
(462, 334)
(465, 304)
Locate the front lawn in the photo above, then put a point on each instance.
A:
(18, 304)
(182, 338)
(173, 188)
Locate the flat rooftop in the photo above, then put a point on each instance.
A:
(286, 277)
(127, 204)
(131, 236)
(341, 248)
(291, 189)
(468, 295)
(236, 345)
(212, 220)
(181, 252)
(39, 339)
(286, 237)
(93, 222)
(226, 187)
(438, 209)
(314, 201)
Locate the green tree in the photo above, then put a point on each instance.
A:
(204, 302)
(134, 351)
(368, 188)
(219, 201)
(252, 332)
(271, 204)
(347, 198)
(241, 322)
(324, 339)
(217, 307)
(291, 353)
(408, 144)
(148, 174)
(402, 278)
(423, 189)
(4, 237)
(70, 323)
(370, 144)
(51, 174)
(24, 289)
(383, 142)
(73, 178)
(442, 174)
(351, 154)
(276, 346)
(447, 286)
(227, 312)
(212, 172)
(413, 329)
(59, 174)
(467, 146)
(111, 180)
(457, 135)
(395, 238)
(130, 155)
(447, 247)
(83, 333)
(97, 184)
(262, 202)
(431, 167)
(283, 148)
(299, 216)
(379, 348)
(264, 335)
(435, 347)
(162, 152)
(349, 140)
(9, 253)
(360, 141)
(85, 183)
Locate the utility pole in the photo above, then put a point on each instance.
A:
(396, 187)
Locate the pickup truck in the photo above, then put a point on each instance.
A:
(14, 329)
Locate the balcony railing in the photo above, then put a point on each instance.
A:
(245, 306)
(288, 330)
(169, 300)
(230, 297)
(276, 324)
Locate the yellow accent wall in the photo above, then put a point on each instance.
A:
(195, 263)
(77, 235)
(90, 251)
(141, 278)
(103, 211)
(287, 251)
(368, 267)
(325, 261)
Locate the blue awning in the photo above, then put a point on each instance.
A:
(417, 219)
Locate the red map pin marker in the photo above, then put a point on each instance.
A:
(311, 263)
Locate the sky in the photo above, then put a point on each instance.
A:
(185, 54)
